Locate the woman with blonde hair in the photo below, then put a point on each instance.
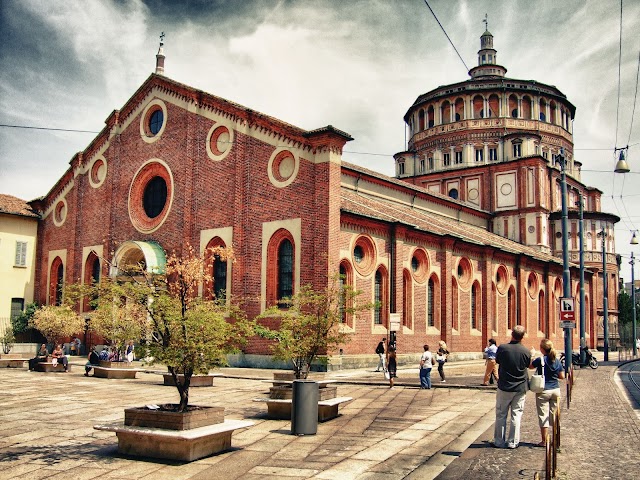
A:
(548, 400)
(441, 358)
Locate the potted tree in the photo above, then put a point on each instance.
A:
(188, 334)
(308, 327)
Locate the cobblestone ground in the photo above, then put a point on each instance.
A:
(600, 434)
(47, 419)
(601, 430)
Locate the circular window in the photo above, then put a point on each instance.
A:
(558, 234)
(155, 197)
(453, 193)
(282, 168)
(150, 196)
(219, 141)
(153, 121)
(364, 255)
(502, 278)
(464, 271)
(532, 285)
(531, 229)
(420, 265)
(98, 172)
(60, 212)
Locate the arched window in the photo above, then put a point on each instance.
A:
(285, 270)
(346, 280)
(513, 106)
(430, 116)
(380, 297)
(526, 107)
(421, 120)
(552, 112)
(431, 322)
(494, 106)
(56, 281)
(475, 306)
(407, 299)
(216, 267)
(445, 112)
(280, 268)
(511, 308)
(478, 106)
(459, 108)
(455, 321)
(543, 110)
(541, 314)
(91, 276)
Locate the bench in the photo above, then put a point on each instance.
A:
(114, 373)
(50, 367)
(13, 362)
(182, 445)
(280, 409)
(321, 383)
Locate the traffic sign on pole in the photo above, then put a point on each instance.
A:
(567, 311)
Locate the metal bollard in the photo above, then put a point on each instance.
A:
(304, 407)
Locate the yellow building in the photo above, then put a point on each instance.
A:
(18, 230)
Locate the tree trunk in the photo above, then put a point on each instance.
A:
(183, 388)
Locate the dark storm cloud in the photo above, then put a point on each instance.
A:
(31, 51)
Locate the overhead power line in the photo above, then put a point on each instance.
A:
(47, 128)
(445, 33)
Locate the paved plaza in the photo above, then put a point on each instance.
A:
(47, 429)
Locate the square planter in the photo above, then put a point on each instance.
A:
(200, 417)
(286, 392)
(110, 364)
(196, 380)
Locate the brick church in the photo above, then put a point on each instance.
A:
(463, 244)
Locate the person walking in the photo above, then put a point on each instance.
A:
(547, 401)
(392, 365)
(513, 359)
(491, 366)
(380, 349)
(426, 363)
(441, 357)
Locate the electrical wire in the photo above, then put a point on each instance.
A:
(619, 74)
(47, 128)
(635, 97)
(445, 33)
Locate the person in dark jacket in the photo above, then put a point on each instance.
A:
(94, 359)
(513, 359)
(380, 351)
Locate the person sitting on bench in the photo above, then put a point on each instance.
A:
(94, 359)
(59, 357)
(41, 356)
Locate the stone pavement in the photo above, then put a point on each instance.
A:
(47, 419)
(600, 433)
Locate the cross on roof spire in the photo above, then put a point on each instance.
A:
(162, 38)
(486, 21)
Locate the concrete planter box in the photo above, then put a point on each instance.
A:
(110, 364)
(286, 392)
(144, 417)
(196, 380)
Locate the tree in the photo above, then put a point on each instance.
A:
(56, 322)
(20, 323)
(115, 318)
(186, 333)
(7, 340)
(311, 324)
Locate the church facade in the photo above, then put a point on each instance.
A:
(458, 251)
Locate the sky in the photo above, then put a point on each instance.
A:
(355, 64)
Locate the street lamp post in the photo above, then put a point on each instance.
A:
(583, 339)
(566, 275)
(605, 296)
(634, 241)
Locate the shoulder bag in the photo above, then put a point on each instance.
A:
(536, 382)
